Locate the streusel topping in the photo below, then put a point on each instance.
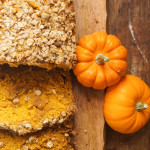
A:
(37, 32)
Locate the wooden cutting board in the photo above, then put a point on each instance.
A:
(89, 121)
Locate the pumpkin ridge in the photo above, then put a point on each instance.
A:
(109, 53)
(133, 121)
(129, 125)
(132, 83)
(105, 76)
(137, 120)
(96, 75)
(82, 53)
(102, 83)
(146, 99)
(119, 94)
(92, 52)
(124, 107)
(90, 65)
(120, 70)
(85, 68)
(96, 42)
(124, 94)
(116, 120)
(105, 44)
(129, 116)
(112, 48)
(82, 42)
(112, 70)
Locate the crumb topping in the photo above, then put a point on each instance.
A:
(38, 32)
(32, 140)
(16, 100)
(1, 144)
(63, 113)
(27, 98)
(24, 147)
(53, 90)
(38, 92)
(53, 138)
(66, 134)
(49, 144)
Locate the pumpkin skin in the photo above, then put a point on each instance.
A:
(127, 105)
(101, 60)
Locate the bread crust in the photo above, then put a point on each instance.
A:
(58, 138)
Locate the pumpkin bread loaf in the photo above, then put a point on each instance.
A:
(32, 97)
(58, 138)
(37, 32)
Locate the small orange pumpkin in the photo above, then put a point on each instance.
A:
(101, 60)
(127, 105)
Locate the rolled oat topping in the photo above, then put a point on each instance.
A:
(27, 98)
(1, 144)
(38, 92)
(32, 140)
(66, 134)
(63, 113)
(49, 144)
(53, 90)
(16, 100)
(38, 32)
(25, 147)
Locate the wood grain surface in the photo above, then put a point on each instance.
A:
(130, 20)
(89, 121)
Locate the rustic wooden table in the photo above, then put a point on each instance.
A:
(129, 20)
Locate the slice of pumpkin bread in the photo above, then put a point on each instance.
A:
(54, 139)
(38, 32)
(32, 97)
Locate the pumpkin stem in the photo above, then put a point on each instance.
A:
(140, 106)
(101, 59)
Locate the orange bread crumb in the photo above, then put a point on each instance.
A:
(31, 97)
